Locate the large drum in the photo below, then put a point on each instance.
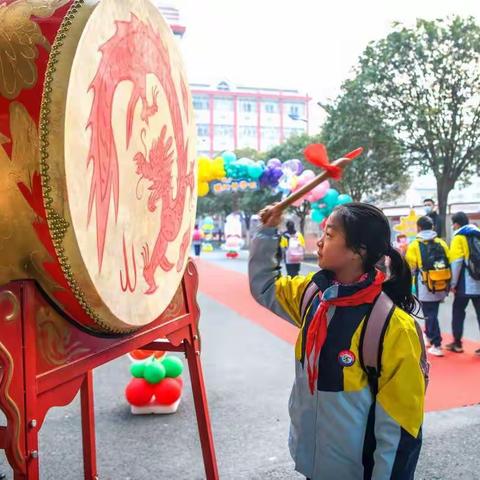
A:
(97, 158)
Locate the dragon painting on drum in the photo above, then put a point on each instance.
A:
(112, 182)
(124, 60)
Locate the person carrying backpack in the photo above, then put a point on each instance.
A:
(465, 258)
(292, 244)
(197, 239)
(356, 406)
(428, 257)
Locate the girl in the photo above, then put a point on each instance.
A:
(292, 244)
(341, 427)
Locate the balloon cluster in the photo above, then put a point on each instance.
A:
(286, 177)
(323, 207)
(209, 170)
(156, 381)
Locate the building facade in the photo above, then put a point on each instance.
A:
(231, 117)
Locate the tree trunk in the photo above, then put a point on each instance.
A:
(444, 186)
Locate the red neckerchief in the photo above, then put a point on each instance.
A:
(317, 332)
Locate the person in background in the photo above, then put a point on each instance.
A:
(465, 258)
(292, 244)
(428, 258)
(401, 243)
(197, 240)
(431, 211)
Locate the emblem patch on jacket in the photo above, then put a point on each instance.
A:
(346, 358)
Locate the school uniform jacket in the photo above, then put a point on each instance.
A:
(414, 260)
(462, 281)
(342, 431)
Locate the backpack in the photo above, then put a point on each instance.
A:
(436, 273)
(371, 337)
(295, 252)
(197, 235)
(473, 262)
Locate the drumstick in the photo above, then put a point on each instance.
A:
(341, 162)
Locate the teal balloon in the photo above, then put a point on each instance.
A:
(137, 369)
(255, 171)
(330, 198)
(317, 216)
(343, 199)
(154, 372)
(229, 157)
(173, 366)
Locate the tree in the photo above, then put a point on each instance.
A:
(251, 153)
(302, 212)
(380, 173)
(426, 81)
(248, 202)
(293, 147)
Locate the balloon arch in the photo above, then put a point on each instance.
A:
(227, 173)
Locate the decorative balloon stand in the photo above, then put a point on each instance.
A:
(46, 358)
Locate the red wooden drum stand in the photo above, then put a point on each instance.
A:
(46, 358)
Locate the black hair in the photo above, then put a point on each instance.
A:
(429, 200)
(290, 227)
(367, 232)
(461, 218)
(196, 225)
(425, 223)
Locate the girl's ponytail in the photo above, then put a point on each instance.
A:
(399, 285)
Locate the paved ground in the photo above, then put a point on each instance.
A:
(248, 372)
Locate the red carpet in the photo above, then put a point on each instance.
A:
(454, 379)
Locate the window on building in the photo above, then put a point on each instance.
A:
(271, 108)
(224, 104)
(203, 130)
(223, 131)
(248, 106)
(294, 110)
(248, 131)
(271, 133)
(200, 102)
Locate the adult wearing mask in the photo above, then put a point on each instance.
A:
(292, 244)
(431, 211)
(465, 258)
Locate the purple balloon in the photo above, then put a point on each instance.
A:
(274, 162)
(299, 166)
(270, 177)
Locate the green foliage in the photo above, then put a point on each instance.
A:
(426, 82)
(293, 147)
(380, 172)
(251, 153)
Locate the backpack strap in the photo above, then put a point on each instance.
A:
(371, 339)
(307, 298)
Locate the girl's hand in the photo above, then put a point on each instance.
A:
(271, 216)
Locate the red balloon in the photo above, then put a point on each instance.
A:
(138, 392)
(168, 391)
(179, 381)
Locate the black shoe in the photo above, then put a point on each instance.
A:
(454, 347)
(476, 352)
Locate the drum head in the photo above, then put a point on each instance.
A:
(118, 160)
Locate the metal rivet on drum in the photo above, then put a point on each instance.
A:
(195, 337)
(197, 352)
(33, 423)
(34, 454)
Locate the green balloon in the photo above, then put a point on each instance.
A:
(137, 369)
(173, 366)
(330, 198)
(154, 372)
(317, 215)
